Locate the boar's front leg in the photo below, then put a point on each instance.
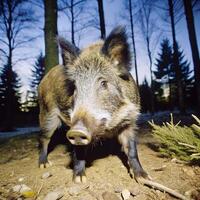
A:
(79, 155)
(48, 123)
(127, 139)
(44, 142)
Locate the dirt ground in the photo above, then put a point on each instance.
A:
(107, 173)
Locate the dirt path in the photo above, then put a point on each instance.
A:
(19, 165)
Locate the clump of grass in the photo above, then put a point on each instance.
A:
(177, 141)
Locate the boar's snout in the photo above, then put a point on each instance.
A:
(79, 135)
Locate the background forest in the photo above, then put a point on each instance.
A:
(166, 70)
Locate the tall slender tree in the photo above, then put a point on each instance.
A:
(151, 35)
(133, 38)
(74, 10)
(175, 58)
(51, 32)
(194, 47)
(101, 19)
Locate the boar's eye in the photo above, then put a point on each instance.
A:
(104, 84)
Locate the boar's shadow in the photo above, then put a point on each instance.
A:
(98, 150)
(103, 149)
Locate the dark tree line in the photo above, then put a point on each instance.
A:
(15, 18)
(174, 84)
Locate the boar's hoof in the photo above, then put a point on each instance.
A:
(141, 175)
(80, 179)
(45, 165)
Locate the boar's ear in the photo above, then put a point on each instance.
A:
(116, 47)
(69, 51)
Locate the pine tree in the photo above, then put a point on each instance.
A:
(145, 92)
(164, 61)
(38, 72)
(163, 73)
(185, 76)
(166, 76)
(15, 85)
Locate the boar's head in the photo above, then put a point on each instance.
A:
(104, 95)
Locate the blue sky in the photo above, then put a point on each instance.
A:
(114, 10)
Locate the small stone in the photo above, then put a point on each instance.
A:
(158, 192)
(21, 188)
(193, 194)
(26, 159)
(16, 188)
(118, 189)
(57, 194)
(109, 196)
(21, 179)
(189, 171)
(175, 160)
(125, 194)
(159, 168)
(74, 190)
(46, 175)
(135, 191)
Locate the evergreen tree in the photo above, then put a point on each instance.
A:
(145, 93)
(6, 75)
(163, 73)
(38, 72)
(166, 76)
(164, 61)
(185, 76)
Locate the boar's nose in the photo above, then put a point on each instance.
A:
(79, 135)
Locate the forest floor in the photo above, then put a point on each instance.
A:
(107, 176)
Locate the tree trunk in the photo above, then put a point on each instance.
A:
(170, 91)
(175, 59)
(151, 73)
(50, 29)
(72, 21)
(193, 43)
(101, 19)
(133, 41)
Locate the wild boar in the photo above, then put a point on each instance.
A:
(94, 94)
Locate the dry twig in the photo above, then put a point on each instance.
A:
(162, 188)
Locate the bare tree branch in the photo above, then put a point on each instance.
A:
(4, 52)
(4, 42)
(18, 44)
